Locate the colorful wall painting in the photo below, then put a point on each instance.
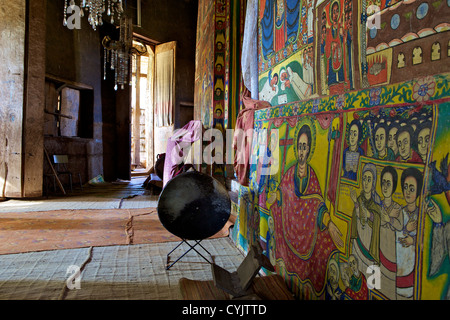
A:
(205, 64)
(286, 63)
(410, 39)
(336, 45)
(285, 27)
(362, 115)
(221, 63)
(291, 80)
(323, 227)
(235, 84)
(218, 80)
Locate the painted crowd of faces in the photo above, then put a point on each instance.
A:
(389, 139)
(393, 141)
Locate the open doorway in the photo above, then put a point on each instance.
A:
(142, 110)
(152, 103)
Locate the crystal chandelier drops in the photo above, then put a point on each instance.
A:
(96, 10)
(118, 54)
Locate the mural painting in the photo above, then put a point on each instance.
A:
(402, 40)
(292, 80)
(356, 189)
(204, 73)
(221, 53)
(359, 205)
(279, 26)
(286, 63)
(335, 46)
(217, 77)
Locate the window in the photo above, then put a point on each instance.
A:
(417, 55)
(400, 60)
(68, 109)
(436, 51)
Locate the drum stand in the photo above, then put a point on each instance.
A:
(197, 243)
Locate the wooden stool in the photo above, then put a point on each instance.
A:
(241, 284)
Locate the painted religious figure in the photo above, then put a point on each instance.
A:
(333, 291)
(308, 66)
(366, 220)
(293, 85)
(353, 151)
(292, 81)
(336, 47)
(392, 138)
(381, 149)
(440, 243)
(270, 88)
(354, 281)
(406, 239)
(301, 88)
(406, 153)
(422, 136)
(391, 222)
(279, 25)
(305, 236)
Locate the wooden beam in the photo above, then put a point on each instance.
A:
(144, 39)
(139, 13)
(58, 114)
(12, 92)
(68, 83)
(34, 104)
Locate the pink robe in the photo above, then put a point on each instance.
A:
(242, 147)
(181, 138)
(301, 240)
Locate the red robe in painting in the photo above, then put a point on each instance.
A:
(301, 240)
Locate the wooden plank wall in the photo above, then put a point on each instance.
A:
(51, 102)
(33, 140)
(22, 78)
(12, 55)
(70, 106)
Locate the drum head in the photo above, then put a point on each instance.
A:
(194, 206)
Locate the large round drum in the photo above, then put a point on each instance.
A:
(194, 206)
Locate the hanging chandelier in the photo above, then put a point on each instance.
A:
(117, 53)
(96, 8)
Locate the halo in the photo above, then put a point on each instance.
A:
(331, 13)
(300, 123)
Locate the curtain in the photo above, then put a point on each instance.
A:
(249, 59)
(164, 89)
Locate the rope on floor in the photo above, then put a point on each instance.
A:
(73, 277)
